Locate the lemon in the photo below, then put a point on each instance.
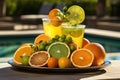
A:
(58, 50)
(76, 15)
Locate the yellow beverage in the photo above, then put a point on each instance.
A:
(76, 32)
(50, 29)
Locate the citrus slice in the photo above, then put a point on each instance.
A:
(53, 13)
(98, 51)
(39, 59)
(25, 50)
(56, 21)
(82, 58)
(41, 37)
(26, 44)
(55, 16)
(76, 15)
(59, 49)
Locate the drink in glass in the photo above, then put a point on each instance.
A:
(76, 32)
(50, 29)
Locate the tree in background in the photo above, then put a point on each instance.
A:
(2, 8)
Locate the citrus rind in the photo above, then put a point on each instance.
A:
(76, 15)
(81, 58)
(59, 49)
(39, 59)
(25, 50)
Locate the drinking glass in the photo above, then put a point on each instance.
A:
(50, 29)
(76, 32)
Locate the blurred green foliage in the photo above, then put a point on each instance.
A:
(20, 7)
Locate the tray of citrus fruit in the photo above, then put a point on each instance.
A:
(62, 47)
(59, 54)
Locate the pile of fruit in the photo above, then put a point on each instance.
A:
(59, 52)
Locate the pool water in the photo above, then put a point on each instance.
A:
(110, 44)
(8, 45)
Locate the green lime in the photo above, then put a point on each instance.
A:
(69, 40)
(76, 15)
(25, 60)
(43, 43)
(63, 36)
(50, 42)
(46, 47)
(56, 37)
(61, 40)
(59, 49)
(41, 47)
(72, 48)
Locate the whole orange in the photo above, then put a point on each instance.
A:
(99, 53)
(52, 62)
(85, 42)
(64, 62)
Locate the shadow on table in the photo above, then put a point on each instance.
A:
(9, 73)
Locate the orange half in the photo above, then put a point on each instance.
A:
(82, 58)
(25, 50)
(41, 37)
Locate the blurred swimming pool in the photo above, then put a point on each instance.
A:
(9, 44)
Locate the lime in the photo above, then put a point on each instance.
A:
(63, 36)
(59, 49)
(72, 48)
(69, 39)
(76, 15)
(25, 60)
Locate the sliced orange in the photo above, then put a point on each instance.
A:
(25, 50)
(98, 51)
(39, 59)
(85, 42)
(26, 44)
(53, 13)
(82, 58)
(56, 21)
(53, 62)
(55, 16)
(41, 37)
